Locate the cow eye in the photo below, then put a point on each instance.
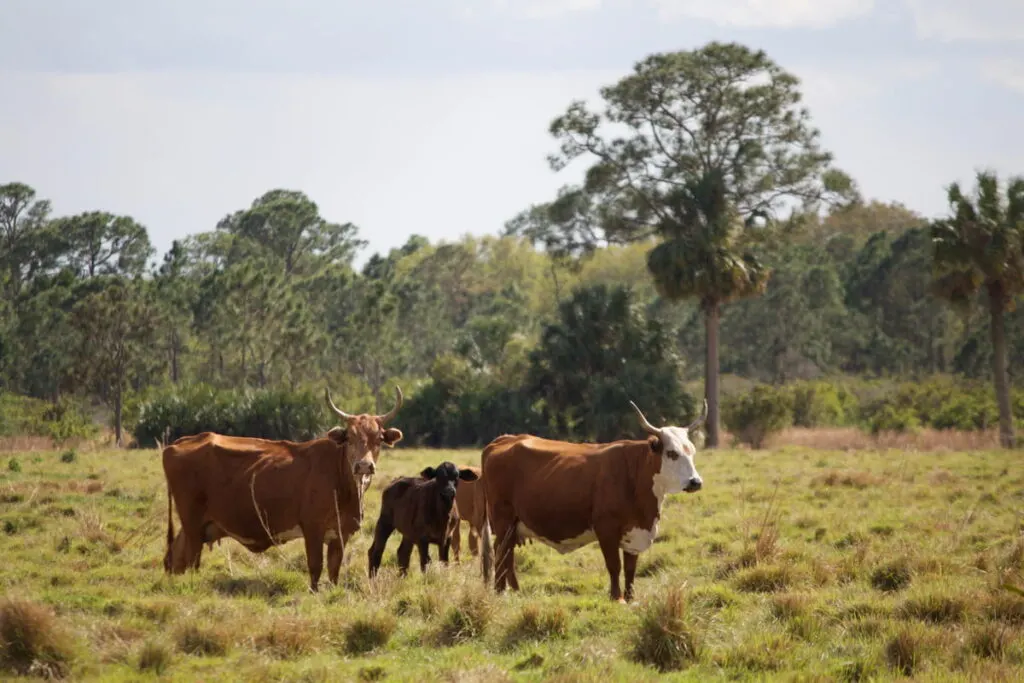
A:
(673, 455)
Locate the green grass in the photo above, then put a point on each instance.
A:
(789, 565)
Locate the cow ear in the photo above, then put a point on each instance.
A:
(428, 473)
(468, 475)
(655, 444)
(392, 436)
(337, 434)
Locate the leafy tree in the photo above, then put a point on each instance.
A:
(287, 224)
(695, 148)
(600, 354)
(100, 243)
(118, 325)
(980, 248)
(27, 244)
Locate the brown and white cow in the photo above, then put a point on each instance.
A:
(568, 495)
(263, 493)
(422, 509)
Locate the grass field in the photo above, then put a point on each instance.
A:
(793, 564)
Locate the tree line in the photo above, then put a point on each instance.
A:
(710, 234)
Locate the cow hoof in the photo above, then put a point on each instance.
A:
(620, 600)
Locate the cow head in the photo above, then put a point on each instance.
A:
(447, 476)
(678, 473)
(363, 435)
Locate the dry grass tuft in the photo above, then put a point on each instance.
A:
(666, 638)
(990, 641)
(934, 608)
(203, 641)
(850, 479)
(469, 618)
(903, 652)
(32, 642)
(1006, 608)
(155, 657)
(892, 576)
(369, 633)
(790, 605)
(538, 623)
(287, 639)
(764, 579)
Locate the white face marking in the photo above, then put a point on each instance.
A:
(677, 468)
(566, 546)
(638, 540)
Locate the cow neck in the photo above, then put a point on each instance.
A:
(645, 471)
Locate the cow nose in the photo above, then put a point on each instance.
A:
(694, 485)
(365, 468)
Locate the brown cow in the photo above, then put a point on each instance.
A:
(568, 495)
(423, 510)
(469, 499)
(262, 492)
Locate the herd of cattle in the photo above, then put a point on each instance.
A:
(566, 495)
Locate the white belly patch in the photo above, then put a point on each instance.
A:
(566, 546)
(638, 540)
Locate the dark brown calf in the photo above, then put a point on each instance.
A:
(423, 510)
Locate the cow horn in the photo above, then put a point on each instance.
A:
(700, 420)
(648, 427)
(384, 419)
(341, 413)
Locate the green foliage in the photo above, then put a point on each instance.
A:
(823, 404)
(62, 421)
(268, 414)
(755, 415)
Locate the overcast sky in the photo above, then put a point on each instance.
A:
(430, 116)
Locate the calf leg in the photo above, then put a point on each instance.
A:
(381, 534)
(610, 549)
(444, 548)
(335, 553)
(474, 541)
(424, 547)
(629, 567)
(454, 541)
(314, 556)
(404, 555)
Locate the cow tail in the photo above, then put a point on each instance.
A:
(170, 527)
(486, 550)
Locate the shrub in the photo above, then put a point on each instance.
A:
(666, 638)
(268, 414)
(69, 457)
(761, 412)
(821, 404)
(32, 641)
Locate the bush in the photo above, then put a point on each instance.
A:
(267, 414)
(752, 417)
(821, 404)
(61, 421)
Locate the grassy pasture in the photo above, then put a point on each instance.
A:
(792, 564)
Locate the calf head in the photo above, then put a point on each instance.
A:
(363, 435)
(678, 471)
(446, 477)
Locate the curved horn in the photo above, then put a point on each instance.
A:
(384, 419)
(648, 427)
(700, 420)
(340, 413)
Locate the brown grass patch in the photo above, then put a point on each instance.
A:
(764, 579)
(367, 634)
(202, 641)
(155, 657)
(25, 444)
(287, 639)
(853, 439)
(934, 608)
(469, 618)
(666, 639)
(32, 641)
(903, 652)
(847, 478)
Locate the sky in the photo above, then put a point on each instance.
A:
(431, 116)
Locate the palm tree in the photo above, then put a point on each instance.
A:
(702, 255)
(979, 249)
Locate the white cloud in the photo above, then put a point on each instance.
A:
(532, 9)
(1007, 73)
(978, 20)
(767, 13)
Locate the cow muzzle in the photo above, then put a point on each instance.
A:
(693, 485)
(364, 468)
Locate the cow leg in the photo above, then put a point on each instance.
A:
(610, 549)
(474, 541)
(381, 533)
(629, 567)
(190, 550)
(404, 555)
(444, 550)
(454, 541)
(424, 547)
(314, 557)
(335, 553)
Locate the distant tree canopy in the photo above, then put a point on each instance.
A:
(706, 186)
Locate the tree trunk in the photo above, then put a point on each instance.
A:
(997, 307)
(118, 400)
(711, 314)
